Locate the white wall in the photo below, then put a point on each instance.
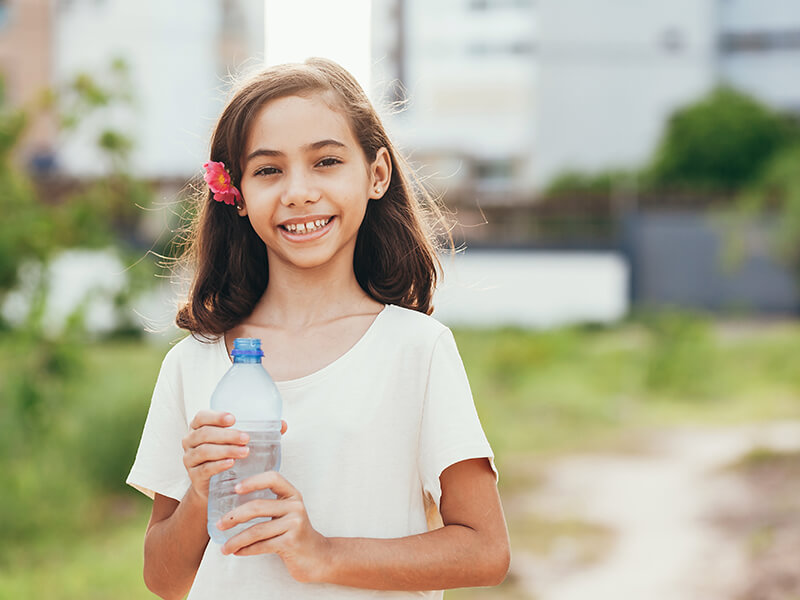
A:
(478, 103)
(610, 73)
(770, 74)
(534, 289)
(174, 50)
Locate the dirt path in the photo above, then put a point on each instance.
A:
(658, 505)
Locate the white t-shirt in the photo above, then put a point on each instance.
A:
(368, 437)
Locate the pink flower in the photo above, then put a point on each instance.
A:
(219, 182)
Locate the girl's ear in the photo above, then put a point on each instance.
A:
(380, 174)
(241, 208)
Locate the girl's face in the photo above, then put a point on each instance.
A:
(306, 183)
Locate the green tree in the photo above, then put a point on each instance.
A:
(720, 143)
(776, 193)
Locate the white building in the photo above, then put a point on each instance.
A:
(760, 49)
(503, 94)
(610, 75)
(469, 74)
(179, 53)
(516, 91)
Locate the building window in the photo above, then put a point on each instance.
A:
(518, 47)
(487, 4)
(672, 40)
(494, 169)
(760, 41)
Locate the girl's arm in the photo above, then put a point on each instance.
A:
(174, 544)
(176, 536)
(472, 548)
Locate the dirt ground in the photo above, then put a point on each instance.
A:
(696, 513)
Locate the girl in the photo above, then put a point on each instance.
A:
(313, 241)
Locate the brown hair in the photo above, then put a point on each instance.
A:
(395, 258)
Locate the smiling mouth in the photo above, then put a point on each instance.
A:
(306, 228)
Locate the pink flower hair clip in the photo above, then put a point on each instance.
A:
(219, 182)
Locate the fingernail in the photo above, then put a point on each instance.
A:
(238, 488)
(244, 438)
(219, 524)
(228, 419)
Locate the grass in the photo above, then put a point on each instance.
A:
(101, 566)
(539, 394)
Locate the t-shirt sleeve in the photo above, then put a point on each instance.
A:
(158, 467)
(451, 430)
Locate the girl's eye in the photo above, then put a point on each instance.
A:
(329, 162)
(267, 171)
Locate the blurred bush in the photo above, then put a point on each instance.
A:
(604, 182)
(681, 356)
(720, 143)
(68, 428)
(776, 191)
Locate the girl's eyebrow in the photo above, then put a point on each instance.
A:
(307, 148)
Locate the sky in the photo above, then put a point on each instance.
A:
(335, 29)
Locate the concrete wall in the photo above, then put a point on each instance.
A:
(682, 259)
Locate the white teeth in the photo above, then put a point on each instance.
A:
(307, 227)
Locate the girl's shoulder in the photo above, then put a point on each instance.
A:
(404, 323)
(195, 352)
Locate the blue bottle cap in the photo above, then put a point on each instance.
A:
(247, 347)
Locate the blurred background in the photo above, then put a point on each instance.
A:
(623, 180)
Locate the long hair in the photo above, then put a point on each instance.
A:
(395, 259)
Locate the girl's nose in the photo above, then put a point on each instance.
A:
(299, 191)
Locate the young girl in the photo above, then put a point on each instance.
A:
(314, 241)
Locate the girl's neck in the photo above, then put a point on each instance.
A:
(298, 298)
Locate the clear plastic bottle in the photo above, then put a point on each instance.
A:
(248, 392)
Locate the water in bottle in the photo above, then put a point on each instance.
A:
(248, 392)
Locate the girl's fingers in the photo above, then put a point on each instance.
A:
(212, 417)
(263, 547)
(213, 452)
(214, 435)
(207, 470)
(257, 508)
(258, 533)
(268, 480)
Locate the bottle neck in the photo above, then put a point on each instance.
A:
(247, 360)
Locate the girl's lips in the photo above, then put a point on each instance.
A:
(307, 237)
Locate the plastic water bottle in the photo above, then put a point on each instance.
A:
(248, 392)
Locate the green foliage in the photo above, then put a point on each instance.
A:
(719, 143)
(777, 190)
(66, 452)
(536, 393)
(545, 391)
(601, 183)
(87, 94)
(102, 213)
(681, 357)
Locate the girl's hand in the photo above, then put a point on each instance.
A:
(211, 447)
(289, 534)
